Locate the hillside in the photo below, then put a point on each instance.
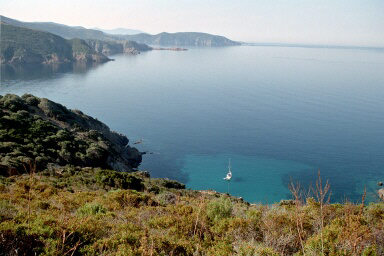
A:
(182, 39)
(24, 46)
(192, 39)
(61, 30)
(85, 211)
(37, 131)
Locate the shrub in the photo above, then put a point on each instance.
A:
(91, 209)
(172, 184)
(7, 210)
(130, 198)
(219, 209)
(114, 179)
(166, 198)
(18, 242)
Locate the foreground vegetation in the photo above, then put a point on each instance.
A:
(73, 211)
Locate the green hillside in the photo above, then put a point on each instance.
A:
(21, 45)
(24, 46)
(64, 31)
(39, 131)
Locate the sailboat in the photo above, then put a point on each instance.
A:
(229, 175)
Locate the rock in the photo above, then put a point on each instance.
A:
(381, 193)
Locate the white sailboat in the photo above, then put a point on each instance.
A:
(229, 174)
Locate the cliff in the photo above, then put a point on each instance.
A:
(191, 39)
(26, 46)
(114, 47)
(39, 131)
(183, 39)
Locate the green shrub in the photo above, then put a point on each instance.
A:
(219, 208)
(114, 179)
(172, 184)
(91, 209)
(130, 198)
(7, 210)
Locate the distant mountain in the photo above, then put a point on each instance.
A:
(182, 39)
(120, 31)
(64, 31)
(185, 39)
(23, 46)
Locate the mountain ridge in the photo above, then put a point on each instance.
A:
(21, 45)
(192, 39)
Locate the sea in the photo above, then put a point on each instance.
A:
(279, 114)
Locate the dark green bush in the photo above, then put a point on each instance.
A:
(114, 179)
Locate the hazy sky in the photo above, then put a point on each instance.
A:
(352, 22)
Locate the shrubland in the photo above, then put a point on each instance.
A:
(92, 211)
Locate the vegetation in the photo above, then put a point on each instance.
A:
(22, 46)
(63, 31)
(39, 131)
(117, 46)
(21, 39)
(167, 39)
(86, 211)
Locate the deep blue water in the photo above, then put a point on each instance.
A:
(279, 113)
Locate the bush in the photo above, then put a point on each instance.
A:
(219, 209)
(91, 209)
(130, 198)
(166, 198)
(172, 184)
(18, 242)
(114, 179)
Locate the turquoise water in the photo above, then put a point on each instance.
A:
(279, 113)
(254, 177)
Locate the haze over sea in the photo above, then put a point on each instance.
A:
(279, 113)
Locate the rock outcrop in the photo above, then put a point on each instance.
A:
(381, 193)
(39, 131)
(118, 46)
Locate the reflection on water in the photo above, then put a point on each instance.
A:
(28, 72)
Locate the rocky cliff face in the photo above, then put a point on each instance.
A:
(118, 46)
(26, 46)
(39, 131)
(194, 39)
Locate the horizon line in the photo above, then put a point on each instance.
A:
(312, 45)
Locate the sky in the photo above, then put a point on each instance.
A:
(337, 22)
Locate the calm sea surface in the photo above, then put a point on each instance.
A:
(279, 113)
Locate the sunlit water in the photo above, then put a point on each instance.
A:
(279, 113)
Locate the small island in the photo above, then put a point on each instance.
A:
(170, 49)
